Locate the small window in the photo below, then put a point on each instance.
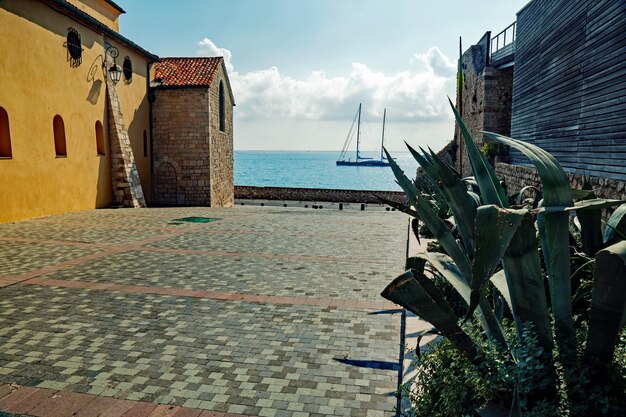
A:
(222, 110)
(99, 138)
(74, 48)
(127, 69)
(145, 143)
(5, 135)
(59, 136)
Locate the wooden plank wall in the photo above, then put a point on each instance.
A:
(569, 87)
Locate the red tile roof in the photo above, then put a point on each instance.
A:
(186, 72)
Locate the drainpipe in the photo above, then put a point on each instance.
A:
(150, 100)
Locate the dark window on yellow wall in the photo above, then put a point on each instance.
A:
(222, 110)
(127, 69)
(5, 135)
(145, 143)
(59, 136)
(99, 138)
(74, 48)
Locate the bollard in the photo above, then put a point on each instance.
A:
(362, 206)
(340, 206)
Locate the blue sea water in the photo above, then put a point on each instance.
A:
(312, 169)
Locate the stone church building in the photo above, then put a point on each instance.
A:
(192, 124)
(99, 121)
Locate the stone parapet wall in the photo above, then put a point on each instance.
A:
(518, 176)
(315, 194)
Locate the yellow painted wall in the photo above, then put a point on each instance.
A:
(99, 9)
(38, 83)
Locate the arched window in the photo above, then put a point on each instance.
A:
(222, 109)
(99, 138)
(59, 136)
(5, 135)
(145, 143)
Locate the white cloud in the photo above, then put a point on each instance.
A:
(206, 47)
(410, 96)
(435, 62)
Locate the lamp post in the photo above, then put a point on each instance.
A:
(114, 70)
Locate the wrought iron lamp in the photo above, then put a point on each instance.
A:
(114, 70)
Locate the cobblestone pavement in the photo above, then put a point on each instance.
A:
(268, 311)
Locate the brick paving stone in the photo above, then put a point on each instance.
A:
(188, 412)
(31, 402)
(61, 404)
(21, 257)
(111, 308)
(140, 410)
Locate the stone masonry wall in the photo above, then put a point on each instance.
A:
(518, 176)
(125, 181)
(180, 121)
(486, 102)
(222, 181)
(315, 194)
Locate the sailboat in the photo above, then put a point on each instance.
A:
(361, 160)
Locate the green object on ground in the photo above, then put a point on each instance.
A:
(197, 219)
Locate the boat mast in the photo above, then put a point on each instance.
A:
(382, 142)
(358, 134)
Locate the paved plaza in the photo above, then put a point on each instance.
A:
(268, 311)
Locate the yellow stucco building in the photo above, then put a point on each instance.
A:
(57, 121)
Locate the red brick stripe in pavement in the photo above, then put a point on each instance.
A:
(214, 295)
(140, 245)
(42, 402)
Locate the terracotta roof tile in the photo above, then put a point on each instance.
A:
(190, 72)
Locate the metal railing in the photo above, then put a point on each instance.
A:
(503, 39)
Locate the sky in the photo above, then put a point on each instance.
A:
(300, 68)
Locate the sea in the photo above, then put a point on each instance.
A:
(315, 169)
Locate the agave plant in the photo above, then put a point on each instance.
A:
(498, 244)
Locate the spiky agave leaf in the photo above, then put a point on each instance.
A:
(499, 281)
(421, 296)
(428, 215)
(493, 230)
(590, 225)
(524, 281)
(447, 269)
(490, 188)
(454, 192)
(616, 226)
(554, 231)
(608, 303)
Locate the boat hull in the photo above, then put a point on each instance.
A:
(373, 163)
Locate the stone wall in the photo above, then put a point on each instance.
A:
(222, 181)
(485, 103)
(180, 146)
(315, 194)
(125, 182)
(518, 176)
